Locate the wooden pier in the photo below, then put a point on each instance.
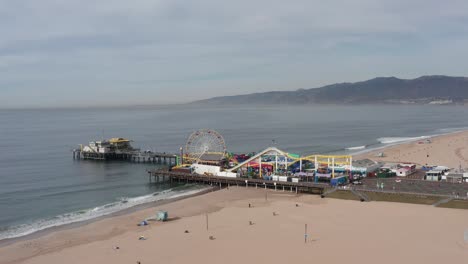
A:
(160, 175)
(132, 156)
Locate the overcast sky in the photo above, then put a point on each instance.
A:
(95, 52)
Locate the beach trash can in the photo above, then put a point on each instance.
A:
(162, 216)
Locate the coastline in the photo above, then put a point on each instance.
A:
(273, 238)
(127, 211)
(98, 236)
(450, 149)
(409, 140)
(17, 250)
(366, 153)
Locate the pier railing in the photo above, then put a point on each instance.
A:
(174, 176)
(409, 187)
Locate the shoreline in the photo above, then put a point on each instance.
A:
(96, 237)
(396, 144)
(361, 155)
(334, 224)
(424, 153)
(56, 238)
(127, 211)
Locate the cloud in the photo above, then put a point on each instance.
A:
(175, 51)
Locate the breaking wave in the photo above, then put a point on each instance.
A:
(393, 140)
(88, 214)
(356, 148)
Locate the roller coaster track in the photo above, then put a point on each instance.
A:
(311, 158)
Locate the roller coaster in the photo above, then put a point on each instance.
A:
(286, 160)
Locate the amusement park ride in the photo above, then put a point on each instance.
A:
(205, 153)
(205, 146)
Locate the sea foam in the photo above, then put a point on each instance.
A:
(88, 214)
(392, 140)
(357, 147)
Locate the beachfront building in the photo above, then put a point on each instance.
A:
(403, 172)
(385, 173)
(211, 164)
(452, 177)
(444, 169)
(364, 167)
(433, 175)
(390, 166)
(405, 169)
(359, 167)
(203, 169)
(212, 159)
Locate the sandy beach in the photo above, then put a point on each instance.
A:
(448, 150)
(338, 230)
(272, 230)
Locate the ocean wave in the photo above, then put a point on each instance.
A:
(449, 130)
(392, 140)
(383, 142)
(357, 147)
(122, 203)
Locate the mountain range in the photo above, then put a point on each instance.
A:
(434, 89)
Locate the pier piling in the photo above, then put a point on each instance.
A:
(161, 175)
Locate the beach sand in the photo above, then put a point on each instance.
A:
(448, 150)
(338, 230)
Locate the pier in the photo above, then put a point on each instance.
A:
(160, 175)
(204, 160)
(120, 149)
(131, 155)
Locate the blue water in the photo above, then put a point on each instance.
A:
(42, 186)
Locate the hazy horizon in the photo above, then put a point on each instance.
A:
(104, 54)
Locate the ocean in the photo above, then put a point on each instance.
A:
(41, 186)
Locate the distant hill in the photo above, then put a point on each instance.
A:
(435, 89)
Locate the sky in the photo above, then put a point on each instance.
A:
(56, 53)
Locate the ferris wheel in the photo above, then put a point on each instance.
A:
(204, 142)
